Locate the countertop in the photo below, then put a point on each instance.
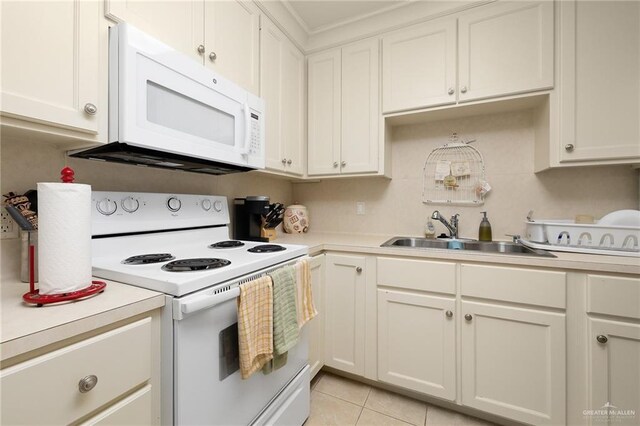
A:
(370, 244)
(24, 327)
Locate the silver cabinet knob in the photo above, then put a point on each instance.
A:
(344, 163)
(289, 161)
(359, 269)
(213, 56)
(449, 314)
(201, 49)
(468, 317)
(602, 338)
(335, 164)
(451, 91)
(463, 89)
(90, 109)
(87, 383)
(569, 147)
(284, 161)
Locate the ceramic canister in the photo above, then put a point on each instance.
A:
(296, 219)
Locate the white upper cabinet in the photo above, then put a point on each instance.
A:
(177, 23)
(344, 110)
(360, 107)
(51, 63)
(282, 86)
(505, 48)
(599, 92)
(419, 66)
(324, 112)
(495, 50)
(231, 35)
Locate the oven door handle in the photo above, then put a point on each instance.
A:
(205, 301)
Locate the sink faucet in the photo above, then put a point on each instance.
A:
(452, 227)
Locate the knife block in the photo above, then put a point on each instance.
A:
(268, 233)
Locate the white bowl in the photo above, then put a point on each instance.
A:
(621, 218)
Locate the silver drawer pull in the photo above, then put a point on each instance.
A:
(359, 269)
(602, 338)
(90, 109)
(87, 383)
(468, 317)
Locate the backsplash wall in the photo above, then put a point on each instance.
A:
(25, 163)
(506, 141)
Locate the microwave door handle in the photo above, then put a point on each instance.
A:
(247, 130)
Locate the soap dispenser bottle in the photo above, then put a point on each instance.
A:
(484, 233)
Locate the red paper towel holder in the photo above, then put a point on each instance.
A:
(34, 296)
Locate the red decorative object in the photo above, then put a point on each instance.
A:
(67, 175)
(43, 299)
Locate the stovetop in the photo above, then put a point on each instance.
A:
(178, 227)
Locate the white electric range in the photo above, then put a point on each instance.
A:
(179, 244)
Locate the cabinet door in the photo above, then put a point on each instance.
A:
(232, 40)
(599, 80)
(178, 23)
(614, 372)
(345, 313)
(419, 66)
(416, 342)
(360, 107)
(505, 48)
(293, 107)
(324, 113)
(133, 410)
(271, 90)
(513, 362)
(316, 326)
(51, 62)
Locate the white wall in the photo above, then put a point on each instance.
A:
(506, 140)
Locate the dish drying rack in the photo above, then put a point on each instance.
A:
(466, 177)
(566, 235)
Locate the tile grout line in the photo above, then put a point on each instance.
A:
(338, 397)
(359, 415)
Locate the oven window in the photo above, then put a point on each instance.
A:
(229, 352)
(173, 110)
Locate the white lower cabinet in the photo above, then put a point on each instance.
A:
(613, 345)
(109, 374)
(316, 326)
(345, 313)
(614, 371)
(513, 362)
(416, 342)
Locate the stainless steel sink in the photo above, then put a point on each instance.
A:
(498, 247)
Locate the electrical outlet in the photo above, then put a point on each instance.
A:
(360, 209)
(8, 228)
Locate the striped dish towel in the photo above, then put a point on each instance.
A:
(304, 298)
(255, 325)
(285, 321)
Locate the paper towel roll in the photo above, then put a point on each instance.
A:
(64, 240)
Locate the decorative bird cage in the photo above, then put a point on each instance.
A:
(454, 174)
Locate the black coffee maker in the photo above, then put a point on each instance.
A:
(247, 217)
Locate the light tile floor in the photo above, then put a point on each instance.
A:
(342, 402)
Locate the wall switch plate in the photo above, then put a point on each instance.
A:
(360, 208)
(8, 228)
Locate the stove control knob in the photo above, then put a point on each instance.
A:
(130, 204)
(206, 205)
(217, 206)
(174, 204)
(106, 206)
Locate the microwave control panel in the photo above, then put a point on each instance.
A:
(254, 144)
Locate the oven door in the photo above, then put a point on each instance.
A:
(162, 100)
(207, 384)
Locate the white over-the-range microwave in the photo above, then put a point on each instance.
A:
(166, 110)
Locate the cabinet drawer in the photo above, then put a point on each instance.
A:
(420, 275)
(133, 410)
(520, 285)
(120, 359)
(613, 296)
